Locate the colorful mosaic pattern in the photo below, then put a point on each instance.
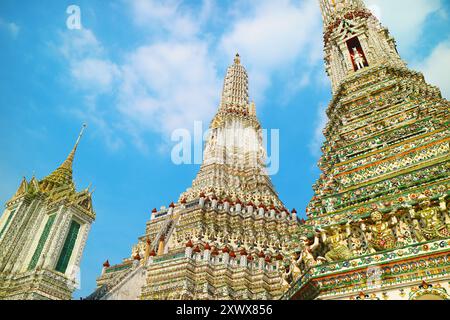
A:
(382, 199)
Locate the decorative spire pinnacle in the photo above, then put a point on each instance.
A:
(237, 59)
(235, 87)
(67, 164)
(234, 156)
(63, 175)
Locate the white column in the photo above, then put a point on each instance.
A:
(226, 258)
(243, 261)
(206, 255)
(188, 252)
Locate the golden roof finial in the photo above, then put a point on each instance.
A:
(237, 59)
(63, 175)
(67, 164)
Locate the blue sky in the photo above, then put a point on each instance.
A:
(139, 69)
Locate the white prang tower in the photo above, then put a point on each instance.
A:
(227, 235)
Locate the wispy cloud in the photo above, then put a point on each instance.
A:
(157, 87)
(173, 19)
(12, 28)
(89, 66)
(273, 36)
(171, 81)
(94, 75)
(164, 15)
(436, 67)
(405, 19)
(318, 137)
(168, 85)
(408, 28)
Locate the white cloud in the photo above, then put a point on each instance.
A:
(80, 44)
(436, 68)
(406, 21)
(171, 79)
(98, 120)
(88, 63)
(94, 74)
(12, 28)
(169, 15)
(168, 86)
(157, 87)
(273, 36)
(89, 66)
(404, 18)
(318, 138)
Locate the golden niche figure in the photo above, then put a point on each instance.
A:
(286, 273)
(404, 235)
(294, 267)
(336, 240)
(380, 235)
(356, 246)
(432, 227)
(306, 252)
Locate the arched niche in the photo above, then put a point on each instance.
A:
(430, 294)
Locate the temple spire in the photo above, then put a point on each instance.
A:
(235, 87)
(63, 175)
(237, 59)
(67, 164)
(234, 158)
(354, 40)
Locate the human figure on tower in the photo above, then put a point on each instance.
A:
(358, 58)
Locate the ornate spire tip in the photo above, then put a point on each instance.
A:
(81, 134)
(237, 59)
